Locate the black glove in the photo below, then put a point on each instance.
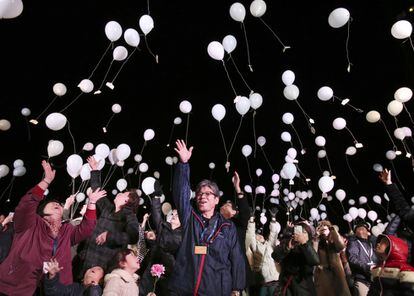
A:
(157, 189)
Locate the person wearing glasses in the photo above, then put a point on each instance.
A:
(210, 260)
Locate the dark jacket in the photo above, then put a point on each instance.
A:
(163, 252)
(53, 287)
(21, 272)
(358, 259)
(6, 239)
(222, 269)
(403, 209)
(296, 276)
(241, 220)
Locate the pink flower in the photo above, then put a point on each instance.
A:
(157, 270)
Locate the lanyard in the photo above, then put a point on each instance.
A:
(210, 235)
(365, 250)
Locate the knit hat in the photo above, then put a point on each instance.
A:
(362, 223)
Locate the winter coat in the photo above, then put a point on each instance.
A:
(358, 259)
(120, 283)
(394, 276)
(241, 220)
(122, 228)
(296, 276)
(6, 239)
(33, 244)
(163, 252)
(329, 274)
(53, 287)
(259, 255)
(395, 227)
(219, 271)
(403, 209)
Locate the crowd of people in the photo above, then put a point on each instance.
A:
(202, 247)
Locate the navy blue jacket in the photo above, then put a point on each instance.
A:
(358, 259)
(53, 287)
(219, 272)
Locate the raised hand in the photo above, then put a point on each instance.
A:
(69, 202)
(96, 195)
(236, 182)
(385, 177)
(182, 151)
(53, 268)
(101, 239)
(92, 163)
(48, 171)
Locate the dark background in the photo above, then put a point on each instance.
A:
(61, 41)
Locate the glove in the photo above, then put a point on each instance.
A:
(157, 189)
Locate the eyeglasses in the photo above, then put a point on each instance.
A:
(207, 194)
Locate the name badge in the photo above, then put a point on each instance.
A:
(200, 250)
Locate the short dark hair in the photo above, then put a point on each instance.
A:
(133, 200)
(213, 186)
(119, 257)
(41, 207)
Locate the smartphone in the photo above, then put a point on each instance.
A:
(11, 214)
(298, 229)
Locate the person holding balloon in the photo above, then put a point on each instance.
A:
(40, 235)
(210, 260)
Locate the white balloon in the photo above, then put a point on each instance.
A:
(18, 163)
(242, 105)
(143, 167)
(399, 134)
(248, 188)
(146, 24)
(339, 123)
(59, 89)
(377, 167)
(185, 107)
(218, 111)
(26, 112)
(259, 172)
(347, 217)
(212, 165)
(291, 92)
(340, 194)
(116, 108)
(286, 137)
(320, 141)
(287, 118)
(326, 183)
(275, 178)
(80, 197)
(86, 86)
(362, 213)
(237, 12)
(353, 211)
(325, 93)
(88, 146)
(121, 184)
(258, 8)
(351, 150)
(263, 220)
(246, 150)
(261, 141)
(292, 153)
(4, 170)
(376, 230)
(122, 152)
(401, 29)
(362, 200)
(289, 170)
(120, 53)
(321, 153)
(377, 199)
(390, 154)
(338, 17)
(113, 31)
(156, 175)
(323, 216)
(85, 172)
(372, 215)
(322, 207)
(56, 121)
(131, 37)
(314, 213)
(149, 134)
(102, 150)
(74, 165)
(288, 77)
(177, 120)
(4, 125)
(260, 190)
(148, 185)
(169, 160)
(394, 107)
(256, 100)
(19, 171)
(403, 94)
(407, 131)
(14, 9)
(373, 116)
(54, 148)
(215, 50)
(175, 159)
(229, 43)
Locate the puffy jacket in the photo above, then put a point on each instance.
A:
(358, 259)
(120, 283)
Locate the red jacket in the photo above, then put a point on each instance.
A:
(22, 270)
(397, 256)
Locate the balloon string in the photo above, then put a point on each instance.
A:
(171, 176)
(149, 49)
(254, 133)
(308, 118)
(241, 76)
(139, 179)
(248, 170)
(11, 189)
(148, 7)
(8, 186)
(28, 130)
(224, 141)
(106, 75)
(274, 34)
(350, 169)
(100, 60)
(109, 177)
(171, 134)
(235, 136)
(304, 176)
(186, 128)
(347, 45)
(73, 101)
(228, 77)
(109, 121)
(319, 164)
(247, 47)
(73, 186)
(267, 160)
(297, 134)
(396, 122)
(411, 43)
(73, 139)
(123, 64)
(327, 160)
(106, 177)
(389, 135)
(47, 107)
(352, 135)
(409, 114)
(359, 110)
(342, 206)
(143, 147)
(396, 175)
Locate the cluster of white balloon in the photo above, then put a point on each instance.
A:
(10, 8)
(19, 170)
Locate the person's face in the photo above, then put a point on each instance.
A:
(175, 220)
(206, 199)
(93, 276)
(381, 248)
(53, 210)
(150, 235)
(227, 210)
(323, 231)
(361, 232)
(260, 238)
(2, 217)
(131, 262)
(121, 199)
